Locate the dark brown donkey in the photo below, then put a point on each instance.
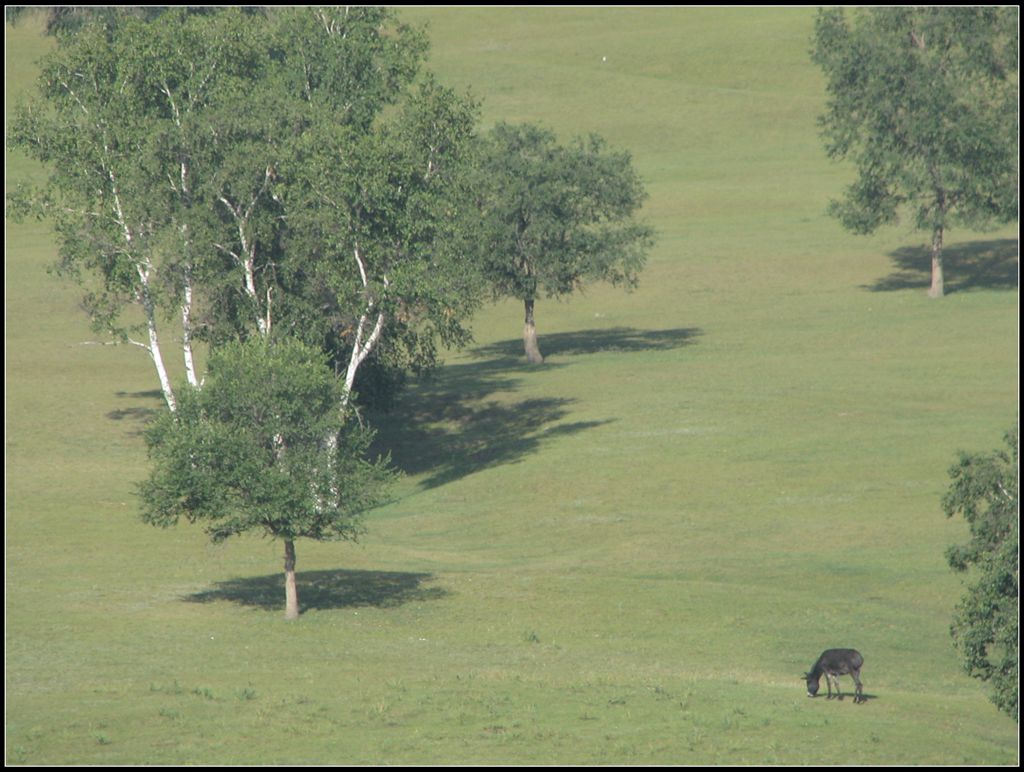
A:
(834, 663)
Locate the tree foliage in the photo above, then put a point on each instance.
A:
(923, 100)
(986, 625)
(381, 219)
(555, 217)
(69, 19)
(247, 452)
(244, 452)
(290, 189)
(184, 155)
(277, 186)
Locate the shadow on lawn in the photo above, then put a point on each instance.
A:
(449, 435)
(137, 413)
(461, 420)
(624, 339)
(454, 424)
(847, 697)
(993, 265)
(324, 590)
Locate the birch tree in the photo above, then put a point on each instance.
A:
(91, 130)
(168, 142)
(380, 218)
(122, 121)
(239, 175)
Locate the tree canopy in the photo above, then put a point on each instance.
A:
(986, 627)
(554, 217)
(923, 100)
(291, 190)
(247, 453)
(184, 157)
(285, 188)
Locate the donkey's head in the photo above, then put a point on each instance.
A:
(812, 684)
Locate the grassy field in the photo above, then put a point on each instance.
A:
(627, 556)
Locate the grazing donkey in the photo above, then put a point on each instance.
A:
(834, 663)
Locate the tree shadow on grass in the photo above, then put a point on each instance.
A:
(450, 436)
(993, 265)
(580, 342)
(137, 413)
(461, 420)
(324, 590)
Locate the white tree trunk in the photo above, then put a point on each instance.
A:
(361, 349)
(363, 343)
(186, 330)
(362, 346)
(186, 243)
(146, 299)
(247, 259)
(158, 363)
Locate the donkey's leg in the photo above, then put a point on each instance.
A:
(860, 689)
(828, 681)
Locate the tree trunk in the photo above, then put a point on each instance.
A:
(533, 354)
(186, 329)
(291, 592)
(143, 267)
(146, 299)
(937, 288)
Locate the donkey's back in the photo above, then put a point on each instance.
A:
(839, 661)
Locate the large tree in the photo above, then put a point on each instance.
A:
(247, 453)
(182, 156)
(986, 627)
(555, 217)
(259, 180)
(99, 127)
(924, 101)
(381, 220)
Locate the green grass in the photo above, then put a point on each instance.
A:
(627, 556)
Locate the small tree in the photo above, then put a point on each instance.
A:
(556, 217)
(247, 453)
(986, 625)
(924, 101)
